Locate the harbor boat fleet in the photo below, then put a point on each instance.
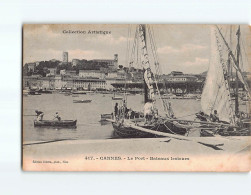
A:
(218, 116)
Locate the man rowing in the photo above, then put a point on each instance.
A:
(57, 117)
(39, 115)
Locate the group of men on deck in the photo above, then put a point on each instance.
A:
(123, 111)
(150, 112)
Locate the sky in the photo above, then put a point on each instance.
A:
(183, 48)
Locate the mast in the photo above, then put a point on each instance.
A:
(143, 27)
(148, 77)
(235, 61)
(145, 92)
(229, 59)
(237, 79)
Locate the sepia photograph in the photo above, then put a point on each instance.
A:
(136, 97)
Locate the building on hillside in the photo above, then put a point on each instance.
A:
(91, 74)
(62, 72)
(176, 76)
(112, 63)
(112, 75)
(60, 82)
(89, 83)
(75, 62)
(68, 82)
(52, 72)
(31, 67)
(71, 72)
(137, 76)
(181, 78)
(47, 83)
(111, 81)
(179, 83)
(121, 75)
(176, 73)
(32, 82)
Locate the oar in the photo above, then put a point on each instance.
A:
(29, 115)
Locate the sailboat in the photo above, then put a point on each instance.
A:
(125, 125)
(216, 97)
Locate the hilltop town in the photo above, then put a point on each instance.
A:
(100, 75)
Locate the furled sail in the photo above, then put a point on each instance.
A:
(216, 93)
(148, 77)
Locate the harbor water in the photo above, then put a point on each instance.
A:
(88, 115)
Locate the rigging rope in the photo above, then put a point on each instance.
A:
(157, 68)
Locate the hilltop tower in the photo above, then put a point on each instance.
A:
(65, 57)
(116, 61)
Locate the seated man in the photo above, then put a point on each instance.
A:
(201, 116)
(40, 115)
(214, 117)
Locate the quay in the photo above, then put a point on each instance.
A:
(88, 155)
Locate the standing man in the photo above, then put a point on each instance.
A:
(116, 110)
(148, 111)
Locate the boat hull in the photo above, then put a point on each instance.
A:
(121, 131)
(54, 123)
(127, 132)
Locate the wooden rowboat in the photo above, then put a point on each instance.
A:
(117, 98)
(55, 123)
(106, 116)
(82, 101)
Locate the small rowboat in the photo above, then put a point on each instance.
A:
(106, 116)
(55, 123)
(82, 101)
(117, 98)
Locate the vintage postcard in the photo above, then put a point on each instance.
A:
(146, 97)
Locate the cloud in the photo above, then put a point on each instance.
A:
(110, 39)
(83, 54)
(197, 62)
(183, 49)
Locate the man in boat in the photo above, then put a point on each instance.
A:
(239, 119)
(57, 116)
(148, 111)
(123, 109)
(214, 117)
(40, 115)
(201, 115)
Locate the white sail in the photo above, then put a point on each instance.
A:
(216, 94)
